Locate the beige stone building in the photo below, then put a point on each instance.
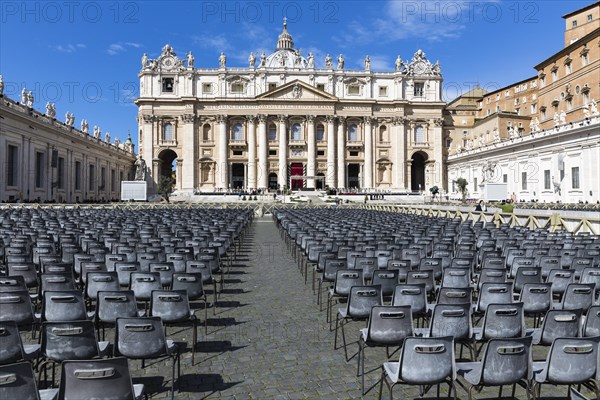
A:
(282, 121)
(46, 160)
(540, 136)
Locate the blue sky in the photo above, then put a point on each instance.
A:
(85, 56)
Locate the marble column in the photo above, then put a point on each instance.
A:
(263, 153)
(368, 168)
(312, 152)
(331, 162)
(188, 167)
(222, 166)
(438, 153)
(341, 152)
(283, 148)
(398, 139)
(251, 182)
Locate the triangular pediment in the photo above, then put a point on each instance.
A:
(297, 91)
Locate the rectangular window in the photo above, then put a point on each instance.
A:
(354, 154)
(238, 152)
(589, 17)
(167, 85)
(574, 24)
(103, 178)
(383, 91)
(568, 68)
(321, 87)
(121, 176)
(543, 113)
(77, 175)
(575, 178)
(92, 178)
(40, 169)
(12, 167)
(272, 86)
(61, 173)
(419, 89)
(584, 59)
(546, 179)
(272, 152)
(562, 174)
(353, 89)
(113, 180)
(237, 88)
(505, 178)
(554, 75)
(569, 104)
(475, 184)
(320, 152)
(206, 88)
(533, 109)
(542, 82)
(523, 180)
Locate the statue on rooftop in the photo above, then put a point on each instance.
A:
(222, 60)
(190, 60)
(24, 97)
(367, 63)
(144, 61)
(311, 60)
(328, 62)
(263, 60)
(340, 61)
(30, 99)
(251, 60)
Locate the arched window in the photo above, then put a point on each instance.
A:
(353, 133)
(206, 133)
(272, 132)
(383, 134)
(168, 132)
(296, 132)
(419, 134)
(237, 132)
(320, 132)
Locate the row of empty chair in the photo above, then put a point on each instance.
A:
(68, 275)
(427, 284)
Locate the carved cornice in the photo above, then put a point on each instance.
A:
(148, 118)
(251, 119)
(188, 118)
(330, 119)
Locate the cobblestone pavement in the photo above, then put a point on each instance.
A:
(268, 339)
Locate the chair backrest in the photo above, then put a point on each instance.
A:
(520, 262)
(503, 321)
(17, 381)
(426, 277)
(578, 296)
(526, 275)
(111, 305)
(90, 379)
(413, 295)
(12, 284)
(192, 283)
(548, 263)
(11, 347)
(494, 293)
(345, 279)
(331, 266)
(73, 340)
(403, 266)
(27, 271)
(560, 324)
(591, 275)
(427, 360)
(591, 325)
(362, 299)
(451, 320)
(506, 361)
(389, 325)
(494, 275)
(100, 281)
(91, 266)
(63, 305)
(140, 338)
(536, 298)
(367, 264)
(387, 279)
(456, 277)
(560, 279)
(572, 360)
(170, 305)
(16, 306)
(166, 272)
(450, 295)
(433, 264)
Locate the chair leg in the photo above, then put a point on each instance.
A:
(381, 383)
(336, 332)
(344, 340)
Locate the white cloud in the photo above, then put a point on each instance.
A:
(120, 47)
(379, 63)
(68, 48)
(214, 42)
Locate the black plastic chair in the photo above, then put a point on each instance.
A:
(94, 379)
(111, 305)
(504, 362)
(591, 324)
(144, 339)
(16, 306)
(570, 361)
(424, 362)
(17, 382)
(12, 348)
(537, 300)
(557, 324)
(192, 283)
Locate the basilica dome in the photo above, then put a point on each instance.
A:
(285, 56)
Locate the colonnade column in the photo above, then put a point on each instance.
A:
(251, 152)
(368, 170)
(399, 146)
(223, 150)
(188, 167)
(331, 162)
(341, 152)
(283, 148)
(312, 151)
(263, 152)
(438, 153)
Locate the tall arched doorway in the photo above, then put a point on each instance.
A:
(320, 183)
(418, 171)
(167, 165)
